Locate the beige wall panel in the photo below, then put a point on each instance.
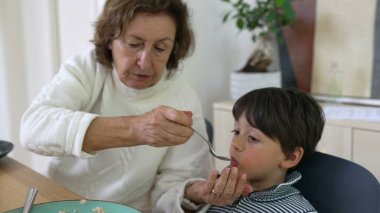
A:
(343, 48)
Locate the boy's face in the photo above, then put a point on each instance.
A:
(256, 155)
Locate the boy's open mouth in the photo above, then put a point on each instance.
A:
(234, 163)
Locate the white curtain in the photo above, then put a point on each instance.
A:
(35, 37)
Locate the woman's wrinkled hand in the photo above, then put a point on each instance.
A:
(163, 126)
(219, 190)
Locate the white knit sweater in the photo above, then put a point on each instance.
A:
(142, 177)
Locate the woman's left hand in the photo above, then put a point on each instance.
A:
(219, 190)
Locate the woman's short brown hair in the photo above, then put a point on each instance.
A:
(117, 14)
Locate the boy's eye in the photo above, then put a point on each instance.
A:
(252, 139)
(235, 132)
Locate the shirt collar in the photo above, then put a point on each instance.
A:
(279, 191)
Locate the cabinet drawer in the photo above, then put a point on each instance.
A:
(366, 149)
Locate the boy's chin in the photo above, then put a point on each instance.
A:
(234, 164)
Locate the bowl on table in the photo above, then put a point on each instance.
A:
(5, 148)
(79, 206)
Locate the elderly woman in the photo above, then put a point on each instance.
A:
(118, 117)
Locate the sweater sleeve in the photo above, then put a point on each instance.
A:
(56, 122)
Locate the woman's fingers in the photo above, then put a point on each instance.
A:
(232, 190)
(176, 116)
(211, 182)
(228, 187)
(165, 126)
(247, 189)
(173, 121)
(221, 182)
(240, 186)
(218, 190)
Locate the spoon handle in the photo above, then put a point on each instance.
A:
(32, 193)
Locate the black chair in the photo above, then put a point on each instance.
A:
(210, 130)
(336, 185)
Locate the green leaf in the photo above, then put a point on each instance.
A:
(226, 17)
(238, 3)
(279, 3)
(289, 11)
(270, 17)
(240, 23)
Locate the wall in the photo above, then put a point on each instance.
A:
(37, 35)
(344, 49)
(12, 71)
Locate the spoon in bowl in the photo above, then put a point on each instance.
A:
(32, 193)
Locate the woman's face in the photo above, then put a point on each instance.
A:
(141, 54)
(256, 155)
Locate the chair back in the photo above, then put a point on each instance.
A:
(210, 130)
(336, 185)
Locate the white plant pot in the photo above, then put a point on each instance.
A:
(241, 83)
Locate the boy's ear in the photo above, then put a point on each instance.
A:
(293, 159)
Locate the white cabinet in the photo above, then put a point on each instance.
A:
(355, 140)
(366, 150)
(336, 140)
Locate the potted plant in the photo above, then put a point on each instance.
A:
(264, 20)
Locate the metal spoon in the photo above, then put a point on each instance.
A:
(32, 194)
(211, 150)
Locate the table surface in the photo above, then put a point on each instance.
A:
(16, 179)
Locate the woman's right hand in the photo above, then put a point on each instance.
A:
(162, 126)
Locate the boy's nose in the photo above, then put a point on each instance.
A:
(237, 144)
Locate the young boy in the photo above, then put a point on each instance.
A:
(275, 129)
